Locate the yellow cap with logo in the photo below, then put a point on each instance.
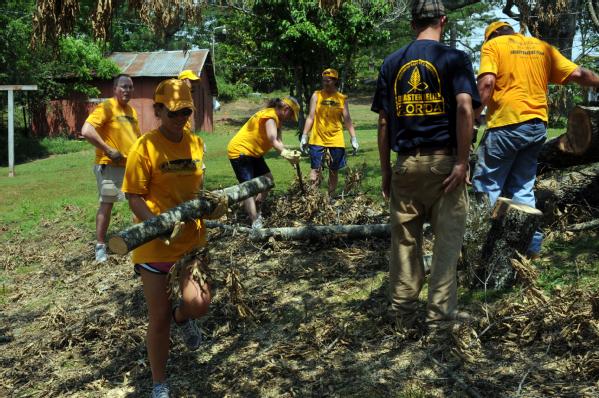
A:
(294, 105)
(188, 74)
(330, 72)
(174, 94)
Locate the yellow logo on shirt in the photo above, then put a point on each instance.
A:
(415, 96)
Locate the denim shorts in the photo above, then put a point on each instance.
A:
(247, 167)
(338, 159)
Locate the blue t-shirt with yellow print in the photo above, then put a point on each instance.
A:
(417, 88)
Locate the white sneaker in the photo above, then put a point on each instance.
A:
(101, 255)
(258, 223)
(160, 390)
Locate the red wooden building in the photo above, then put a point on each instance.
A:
(147, 69)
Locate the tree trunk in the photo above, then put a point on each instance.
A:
(512, 226)
(162, 224)
(575, 185)
(578, 145)
(318, 232)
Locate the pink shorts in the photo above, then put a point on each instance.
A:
(155, 268)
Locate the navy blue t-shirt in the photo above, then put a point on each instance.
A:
(417, 88)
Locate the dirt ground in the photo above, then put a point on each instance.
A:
(310, 322)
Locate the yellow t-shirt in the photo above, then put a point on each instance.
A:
(251, 139)
(327, 129)
(166, 174)
(118, 127)
(523, 66)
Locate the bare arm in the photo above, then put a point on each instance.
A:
(91, 135)
(273, 135)
(138, 206)
(465, 117)
(384, 154)
(310, 119)
(584, 77)
(349, 125)
(486, 86)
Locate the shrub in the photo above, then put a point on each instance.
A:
(228, 92)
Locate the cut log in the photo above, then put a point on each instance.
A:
(578, 145)
(162, 224)
(316, 232)
(584, 226)
(511, 229)
(575, 185)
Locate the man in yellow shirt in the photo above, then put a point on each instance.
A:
(512, 81)
(323, 129)
(112, 128)
(188, 77)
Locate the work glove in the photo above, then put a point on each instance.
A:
(221, 204)
(354, 144)
(292, 156)
(177, 229)
(304, 143)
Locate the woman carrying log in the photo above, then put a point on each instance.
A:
(163, 170)
(257, 136)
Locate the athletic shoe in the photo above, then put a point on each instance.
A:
(101, 255)
(258, 223)
(160, 390)
(191, 334)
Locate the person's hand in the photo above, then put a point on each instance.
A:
(459, 175)
(386, 184)
(292, 156)
(177, 229)
(114, 154)
(303, 143)
(354, 144)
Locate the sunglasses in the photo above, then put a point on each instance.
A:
(183, 112)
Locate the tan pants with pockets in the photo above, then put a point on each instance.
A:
(417, 196)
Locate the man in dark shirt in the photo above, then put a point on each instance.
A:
(425, 96)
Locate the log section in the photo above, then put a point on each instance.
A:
(162, 224)
(578, 145)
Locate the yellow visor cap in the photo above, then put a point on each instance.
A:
(188, 74)
(330, 72)
(294, 105)
(174, 94)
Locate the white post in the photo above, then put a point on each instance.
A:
(11, 122)
(11, 134)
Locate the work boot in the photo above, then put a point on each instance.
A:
(101, 255)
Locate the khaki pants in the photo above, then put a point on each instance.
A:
(109, 180)
(417, 196)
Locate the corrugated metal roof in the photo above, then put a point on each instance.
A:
(165, 63)
(159, 63)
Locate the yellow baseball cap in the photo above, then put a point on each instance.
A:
(188, 74)
(294, 105)
(174, 94)
(493, 26)
(330, 72)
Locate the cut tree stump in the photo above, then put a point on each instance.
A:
(575, 185)
(512, 226)
(316, 232)
(162, 224)
(578, 145)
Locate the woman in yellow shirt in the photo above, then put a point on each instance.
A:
(164, 169)
(328, 114)
(257, 136)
